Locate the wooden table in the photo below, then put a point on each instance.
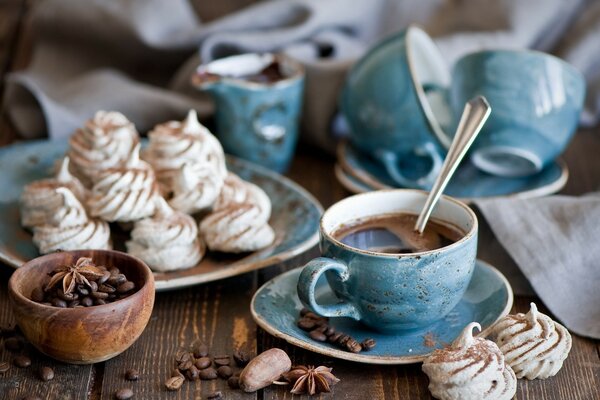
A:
(219, 313)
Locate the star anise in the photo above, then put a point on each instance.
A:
(310, 380)
(76, 274)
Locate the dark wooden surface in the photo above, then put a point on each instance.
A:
(219, 314)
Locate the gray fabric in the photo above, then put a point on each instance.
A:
(136, 56)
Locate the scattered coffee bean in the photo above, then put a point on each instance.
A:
(13, 344)
(343, 339)
(234, 382)
(221, 360)
(125, 287)
(4, 366)
(334, 337)
(132, 375)
(192, 373)
(46, 374)
(215, 395)
(174, 383)
(208, 374)
(200, 349)
(368, 344)
(317, 335)
(203, 362)
(224, 371)
(241, 357)
(37, 294)
(353, 346)
(22, 361)
(124, 394)
(306, 324)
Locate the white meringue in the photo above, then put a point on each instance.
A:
(195, 188)
(70, 229)
(533, 344)
(125, 193)
(168, 241)
(175, 143)
(105, 141)
(239, 220)
(40, 201)
(470, 369)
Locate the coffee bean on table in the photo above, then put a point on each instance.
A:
(192, 373)
(125, 287)
(124, 394)
(203, 362)
(368, 344)
(132, 374)
(22, 361)
(46, 374)
(4, 366)
(225, 371)
(208, 374)
(221, 360)
(37, 294)
(317, 335)
(215, 395)
(200, 349)
(174, 383)
(234, 382)
(13, 344)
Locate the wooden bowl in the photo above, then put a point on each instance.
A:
(82, 335)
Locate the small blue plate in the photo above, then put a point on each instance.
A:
(468, 182)
(294, 217)
(275, 308)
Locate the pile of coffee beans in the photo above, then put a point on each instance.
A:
(318, 329)
(197, 364)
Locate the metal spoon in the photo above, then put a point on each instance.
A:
(476, 112)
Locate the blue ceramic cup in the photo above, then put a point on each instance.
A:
(257, 115)
(391, 292)
(389, 103)
(536, 100)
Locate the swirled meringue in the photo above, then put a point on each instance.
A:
(125, 193)
(70, 229)
(40, 200)
(533, 344)
(176, 143)
(239, 220)
(105, 141)
(168, 241)
(195, 188)
(470, 369)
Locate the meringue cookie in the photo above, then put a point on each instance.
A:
(168, 241)
(533, 344)
(175, 143)
(195, 188)
(70, 229)
(470, 369)
(105, 141)
(40, 201)
(125, 193)
(239, 220)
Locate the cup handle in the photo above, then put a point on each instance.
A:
(308, 281)
(390, 162)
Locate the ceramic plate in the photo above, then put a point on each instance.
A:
(275, 308)
(468, 182)
(295, 216)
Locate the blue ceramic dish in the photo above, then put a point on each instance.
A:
(295, 216)
(275, 308)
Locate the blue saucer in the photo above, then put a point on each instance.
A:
(468, 182)
(275, 308)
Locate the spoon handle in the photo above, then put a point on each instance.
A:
(476, 112)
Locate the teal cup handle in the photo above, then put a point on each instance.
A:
(390, 162)
(308, 281)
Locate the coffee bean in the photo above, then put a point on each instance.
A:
(200, 349)
(329, 331)
(125, 287)
(67, 296)
(241, 357)
(99, 295)
(114, 271)
(334, 337)
(4, 366)
(102, 279)
(73, 303)
(318, 336)
(116, 280)
(22, 361)
(56, 302)
(215, 396)
(343, 339)
(368, 344)
(106, 288)
(304, 311)
(37, 295)
(224, 371)
(322, 329)
(13, 344)
(46, 374)
(87, 302)
(99, 302)
(306, 324)
(312, 315)
(93, 286)
(132, 375)
(353, 346)
(174, 383)
(185, 365)
(208, 374)
(183, 356)
(82, 290)
(221, 360)
(124, 394)
(203, 362)
(234, 382)
(192, 373)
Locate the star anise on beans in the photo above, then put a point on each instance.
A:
(310, 380)
(76, 274)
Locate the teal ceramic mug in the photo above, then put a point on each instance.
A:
(390, 103)
(391, 292)
(536, 100)
(258, 101)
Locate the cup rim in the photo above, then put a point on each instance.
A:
(467, 236)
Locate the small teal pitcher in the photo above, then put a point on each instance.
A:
(258, 101)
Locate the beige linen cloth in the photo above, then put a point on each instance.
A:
(136, 56)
